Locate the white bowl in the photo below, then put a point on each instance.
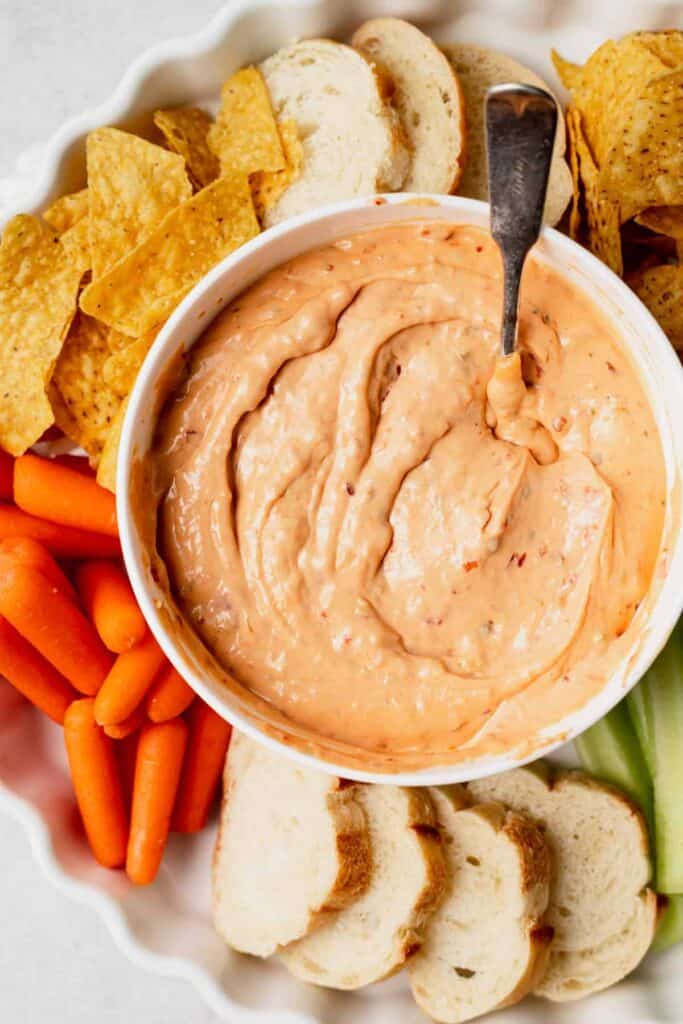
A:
(661, 375)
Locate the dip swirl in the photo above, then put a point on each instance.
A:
(398, 541)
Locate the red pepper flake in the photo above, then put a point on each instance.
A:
(469, 566)
(350, 489)
(611, 367)
(521, 559)
(433, 622)
(480, 248)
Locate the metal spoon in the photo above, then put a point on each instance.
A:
(520, 131)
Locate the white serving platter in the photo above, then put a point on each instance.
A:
(166, 927)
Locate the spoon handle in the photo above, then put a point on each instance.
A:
(520, 130)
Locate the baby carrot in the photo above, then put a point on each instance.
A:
(63, 495)
(96, 782)
(129, 680)
(128, 726)
(54, 625)
(30, 552)
(32, 675)
(126, 752)
(169, 697)
(63, 541)
(209, 736)
(157, 770)
(108, 599)
(6, 476)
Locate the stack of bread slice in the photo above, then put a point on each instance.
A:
(523, 882)
(392, 112)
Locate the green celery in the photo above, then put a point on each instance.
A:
(656, 708)
(610, 750)
(670, 929)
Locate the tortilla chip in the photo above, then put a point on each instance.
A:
(573, 122)
(76, 241)
(88, 406)
(661, 289)
(39, 281)
(245, 137)
(602, 213)
(568, 73)
(185, 130)
(106, 471)
(268, 186)
(665, 220)
(67, 211)
(142, 289)
(645, 167)
(667, 45)
(121, 368)
(606, 87)
(133, 184)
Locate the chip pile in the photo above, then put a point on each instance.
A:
(625, 126)
(85, 288)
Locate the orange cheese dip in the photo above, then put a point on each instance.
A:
(402, 542)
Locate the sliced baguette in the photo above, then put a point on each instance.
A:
(601, 910)
(352, 139)
(293, 846)
(478, 69)
(377, 934)
(426, 95)
(486, 946)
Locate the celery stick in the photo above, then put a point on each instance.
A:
(610, 750)
(656, 707)
(639, 710)
(670, 929)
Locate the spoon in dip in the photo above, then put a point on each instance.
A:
(521, 121)
(520, 130)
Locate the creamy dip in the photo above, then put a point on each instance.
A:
(400, 541)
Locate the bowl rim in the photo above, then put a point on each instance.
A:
(668, 603)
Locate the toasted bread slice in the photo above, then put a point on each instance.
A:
(601, 910)
(352, 139)
(427, 96)
(377, 934)
(478, 69)
(486, 945)
(293, 846)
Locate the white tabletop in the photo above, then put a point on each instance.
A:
(58, 963)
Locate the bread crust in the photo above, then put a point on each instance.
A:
(367, 40)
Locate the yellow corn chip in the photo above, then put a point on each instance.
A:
(602, 213)
(76, 241)
(606, 87)
(121, 368)
(185, 130)
(645, 168)
(106, 470)
(142, 289)
(88, 406)
(568, 73)
(661, 289)
(67, 211)
(132, 184)
(665, 220)
(245, 137)
(268, 186)
(667, 45)
(39, 281)
(573, 122)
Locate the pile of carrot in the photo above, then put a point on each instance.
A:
(145, 754)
